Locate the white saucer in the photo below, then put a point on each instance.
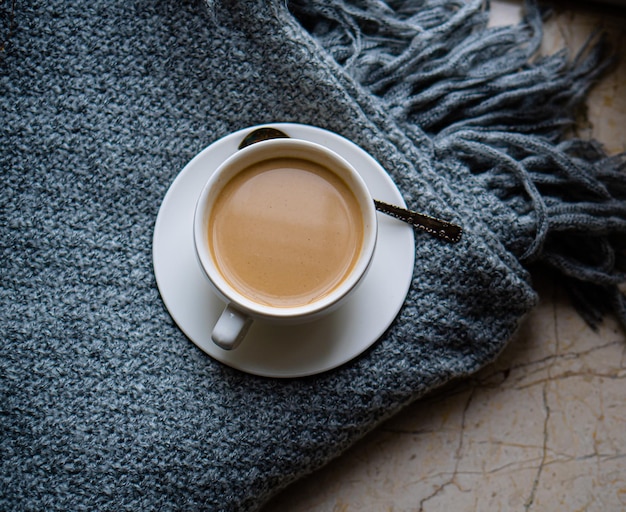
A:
(282, 351)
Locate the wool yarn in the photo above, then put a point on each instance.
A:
(105, 404)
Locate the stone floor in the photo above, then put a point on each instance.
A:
(544, 427)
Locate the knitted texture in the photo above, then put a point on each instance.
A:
(105, 404)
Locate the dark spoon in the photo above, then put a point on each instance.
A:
(440, 228)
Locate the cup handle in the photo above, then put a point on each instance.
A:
(231, 328)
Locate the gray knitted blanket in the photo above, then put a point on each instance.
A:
(104, 403)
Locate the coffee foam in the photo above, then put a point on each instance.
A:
(285, 232)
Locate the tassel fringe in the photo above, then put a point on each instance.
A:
(488, 100)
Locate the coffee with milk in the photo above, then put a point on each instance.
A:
(285, 231)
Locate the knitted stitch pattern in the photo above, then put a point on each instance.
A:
(105, 404)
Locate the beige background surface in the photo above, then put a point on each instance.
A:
(544, 427)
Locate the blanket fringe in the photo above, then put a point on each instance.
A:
(488, 100)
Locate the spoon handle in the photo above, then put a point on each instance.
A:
(439, 228)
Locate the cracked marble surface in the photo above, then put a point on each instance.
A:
(542, 428)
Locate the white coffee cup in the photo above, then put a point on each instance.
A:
(218, 229)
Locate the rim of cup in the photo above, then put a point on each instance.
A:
(277, 148)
